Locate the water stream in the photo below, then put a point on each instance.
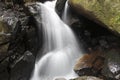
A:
(60, 46)
(65, 16)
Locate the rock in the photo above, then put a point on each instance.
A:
(60, 79)
(90, 64)
(4, 75)
(17, 64)
(105, 64)
(4, 37)
(35, 0)
(60, 4)
(20, 69)
(35, 30)
(92, 35)
(23, 69)
(21, 2)
(99, 11)
(87, 78)
(112, 64)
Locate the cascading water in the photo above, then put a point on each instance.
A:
(65, 17)
(65, 13)
(60, 46)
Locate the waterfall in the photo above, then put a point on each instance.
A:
(65, 16)
(60, 46)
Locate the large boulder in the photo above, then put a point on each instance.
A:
(90, 64)
(103, 12)
(105, 64)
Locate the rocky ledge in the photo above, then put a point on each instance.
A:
(103, 12)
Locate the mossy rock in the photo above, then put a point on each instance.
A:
(4, 36)
(104, 12)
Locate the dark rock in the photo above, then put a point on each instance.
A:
(21, 2)
(36, 30)
(18, 64)
(87, 78)
(44, 0)
(112, 64)
(95, 36)
(4, 75)
(23, 69)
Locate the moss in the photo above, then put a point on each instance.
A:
(107, 11)
(3, 38)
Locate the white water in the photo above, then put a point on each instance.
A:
(60, 46)
(65, 16)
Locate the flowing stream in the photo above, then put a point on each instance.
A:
(65, 16)
(60, 46)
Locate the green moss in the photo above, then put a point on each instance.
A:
(107, 11)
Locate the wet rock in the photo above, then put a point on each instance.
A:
(20, 28)
(87, 78)
(17, 64)
(90, 64)
(35, 29)
(112, 64)
(105, 64)
(21, 2)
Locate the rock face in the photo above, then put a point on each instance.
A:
(22, 1)
(18, 42)
(99, 11)
(87, 78)
(90, 64)
(4, 37)
(112, 64)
